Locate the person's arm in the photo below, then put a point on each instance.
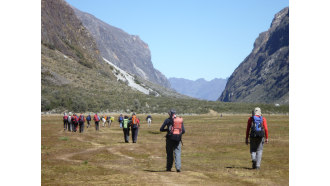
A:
(248, 130)
(183, 130)
(162, 128)
(264, 121)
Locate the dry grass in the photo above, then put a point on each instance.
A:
(213, 153)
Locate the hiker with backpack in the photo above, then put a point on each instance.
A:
(74, 120)
(65, 121)
(120, 120)
(70, 122)
(81, 123)
(174, 128)
(96, 119)
(135, 125)
(88, 118)
(126, 126)
(103, 120)
(149, 120)
(257, 130)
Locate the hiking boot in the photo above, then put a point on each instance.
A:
(258, 168)
(254, 164)
(178, 170)
(168, 170)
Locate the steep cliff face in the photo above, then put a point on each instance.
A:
(264, 75)
(128, 52)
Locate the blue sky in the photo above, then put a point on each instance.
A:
(190, 39)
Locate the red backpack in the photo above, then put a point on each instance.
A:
(176, 129)
(96, 118)
(81, 118)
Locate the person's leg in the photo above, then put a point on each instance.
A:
(136, 134)
(169, 155)
(177, 153)
(253, 151)
(259, 152)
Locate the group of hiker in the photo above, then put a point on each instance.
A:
(256, 131)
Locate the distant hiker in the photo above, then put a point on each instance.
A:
(257, 130)
(65, 121)
(88, 118)
(135, 125)
(149, 118)
(174, 128)
(70, 122)
(103, 120)
(108, 120)
(81, 123)
(126, 129)
(74, 120)
(120, 120)
(96, 119)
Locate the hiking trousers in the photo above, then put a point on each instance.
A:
(81, 127)
(149, 122)
(66, 124)
(135, 132)
(126, 135)
(256, 147)
(70, 126)
(97, 125)
(88, 123)
(173, 146)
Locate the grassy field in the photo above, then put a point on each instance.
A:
(213, 153)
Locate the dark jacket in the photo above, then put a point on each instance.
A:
(168, 122)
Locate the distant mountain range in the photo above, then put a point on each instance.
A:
(200, 89)
(264, 74)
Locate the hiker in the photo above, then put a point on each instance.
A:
(70, 122)
(88, 118)
(257, 130)
(65, 121)
(149, 120)
(135, 124)
(126, 129)
(120, 120)
(174, 128)
(81, 123)
(74, 120)
(96, 119)
(103, 120)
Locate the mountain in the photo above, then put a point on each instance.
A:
(128, 52)
(76, 77)
(200, 89)
(264, 74)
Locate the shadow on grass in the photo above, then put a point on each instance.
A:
(233, 167)
(155, 170)
(154, 132)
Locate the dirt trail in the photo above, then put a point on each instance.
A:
(157, 177)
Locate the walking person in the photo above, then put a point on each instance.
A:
(109, 120)
(103, 120)
(70, 122)
(96, 120)
(257, 130)
(65, 121)
(149, 118)
(74, 120)
(135, 125)
(126, 129)
(81, 123)
(174, 128)
(120, 120)
(88, 118)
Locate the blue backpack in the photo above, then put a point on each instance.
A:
(120, 119)
(257, 129)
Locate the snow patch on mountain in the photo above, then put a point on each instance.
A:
(126, 77)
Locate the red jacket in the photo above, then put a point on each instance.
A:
(249, 123)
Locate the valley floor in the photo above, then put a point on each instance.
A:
(213, 153)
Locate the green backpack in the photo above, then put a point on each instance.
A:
(125, 123)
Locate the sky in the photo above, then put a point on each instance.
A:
(190, 39)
